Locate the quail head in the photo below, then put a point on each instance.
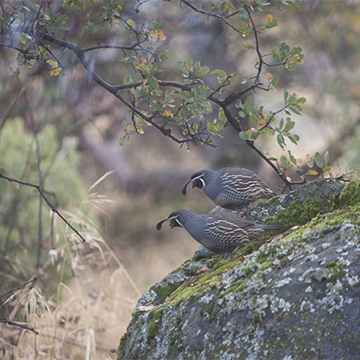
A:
(223, 232)
(231, 188)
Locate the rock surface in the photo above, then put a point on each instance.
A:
(295, 297)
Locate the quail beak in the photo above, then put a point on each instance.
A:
(172, 223)
(183, 191)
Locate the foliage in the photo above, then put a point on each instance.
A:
(20, 204)
(199, 110)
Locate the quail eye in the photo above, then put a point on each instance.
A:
(199, 183)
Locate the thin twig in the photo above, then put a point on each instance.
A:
(19, 287)
(38, 188)
(8, 321)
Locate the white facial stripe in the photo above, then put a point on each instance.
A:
(200, 177)
(176, 219)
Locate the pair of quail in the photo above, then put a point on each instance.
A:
(223, 231)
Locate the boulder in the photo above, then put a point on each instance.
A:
(294, 296)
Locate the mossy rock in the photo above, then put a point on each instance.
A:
(296, 298)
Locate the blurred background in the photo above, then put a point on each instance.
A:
(86, 292)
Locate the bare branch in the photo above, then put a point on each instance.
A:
(19, 287)
(38, 188)
(8, 321)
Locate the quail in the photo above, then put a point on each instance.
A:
(223, 231)
(231, 188)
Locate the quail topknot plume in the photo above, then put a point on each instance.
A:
(223, 231)
(231, 188)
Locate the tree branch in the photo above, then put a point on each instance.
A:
(38, 188)
(8, 321)
(112, 89)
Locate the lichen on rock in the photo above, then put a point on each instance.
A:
(296, 297)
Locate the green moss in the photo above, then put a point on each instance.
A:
(165, 291)
(248, 270)
(331, 264)
(299, 213)
(335, 273)
(265, 265)
(350, 195)
(235, 287)
(154, 320)
(121, 348)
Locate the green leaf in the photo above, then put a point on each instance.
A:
(292, 158)
(284, 162)
(293, 139)
(122, 141)
(281, 142)
(16, 73)
(222, 116)
(295, 110)
(318, 160)
(286, 94)
(281, 124)
(20, 58)
(221, 73)
(185, 95)
(244, 15)
(248, 47)
(327, 169)
(64, 27)
(123, 125)
(326, 157)
(253, 119)
(243, 136)
(238, 103)
(160, 25)
(309, 161)
(275, 79)
(289, 125)
(214, 127)
(152, 83)
(295, 6)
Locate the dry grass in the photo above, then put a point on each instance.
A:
(87, 317)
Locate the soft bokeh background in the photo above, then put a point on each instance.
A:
(126, 255)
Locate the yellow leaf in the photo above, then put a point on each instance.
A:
(157, 35)
(142, 61)
(269, 76)
(308, 159)
(22, 39)
(167, 113)
(261, 123)
(312, 172)
(114, 22)
(130, 23)
(54, 64)
(54, 72)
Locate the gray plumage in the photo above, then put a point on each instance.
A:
(231, 187)
(223, 231)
